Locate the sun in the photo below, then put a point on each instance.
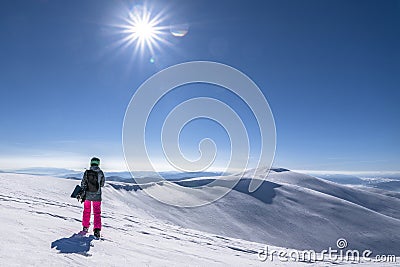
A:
(142, 29)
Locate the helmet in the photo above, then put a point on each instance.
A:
(95, 162)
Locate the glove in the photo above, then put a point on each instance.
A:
(81, 198)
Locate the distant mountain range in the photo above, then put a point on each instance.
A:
(386, 181)
(125, 176)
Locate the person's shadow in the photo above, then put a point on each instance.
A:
(76, 243)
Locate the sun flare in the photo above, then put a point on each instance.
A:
(142, 30)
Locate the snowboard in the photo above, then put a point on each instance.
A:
(76, 191)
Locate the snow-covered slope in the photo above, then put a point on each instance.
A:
(291, 210)
(39, 221)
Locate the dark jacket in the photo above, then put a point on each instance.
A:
(93, 196)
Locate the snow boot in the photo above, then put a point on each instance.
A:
(97, 232)
(84, 231)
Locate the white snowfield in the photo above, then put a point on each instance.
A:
(39, 222)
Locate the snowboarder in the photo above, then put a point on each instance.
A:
(91, 184)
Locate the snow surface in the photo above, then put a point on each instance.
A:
(39, 222)
(291, 210)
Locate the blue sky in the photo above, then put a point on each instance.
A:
(329, 69)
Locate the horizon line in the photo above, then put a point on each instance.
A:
(306, 171)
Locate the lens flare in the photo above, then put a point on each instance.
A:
(179, 30)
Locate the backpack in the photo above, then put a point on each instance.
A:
(92, 181)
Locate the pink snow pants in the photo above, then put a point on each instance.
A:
(87, 206)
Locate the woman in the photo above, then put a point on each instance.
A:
(91, 184)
